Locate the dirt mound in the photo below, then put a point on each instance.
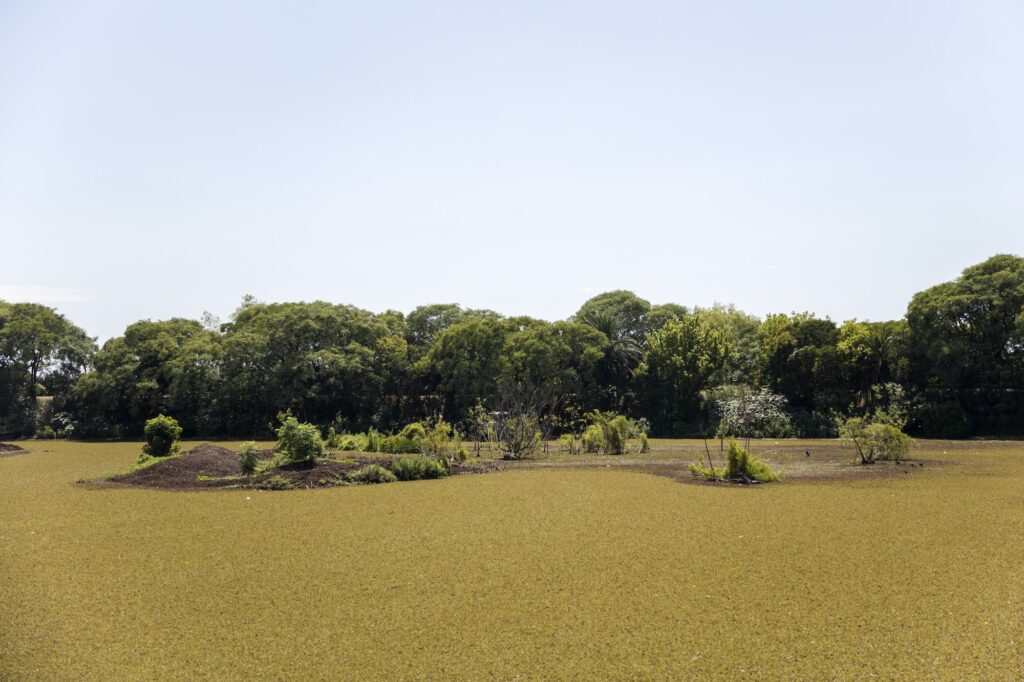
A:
(206, 466)
(212, 467)
(11, 449)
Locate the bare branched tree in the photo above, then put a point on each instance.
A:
(518, 419)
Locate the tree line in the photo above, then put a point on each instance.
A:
(954, 365)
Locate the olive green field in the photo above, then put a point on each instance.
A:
(543, 570)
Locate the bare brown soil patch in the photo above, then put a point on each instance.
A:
(10, 449)
(822, 460)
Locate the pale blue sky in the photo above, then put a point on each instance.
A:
(165, 158)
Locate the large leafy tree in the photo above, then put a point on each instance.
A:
(967, 341)
(319, 360)
(626, 308)
(562, 357)
(171, 367)
(799, 359)
(38, 347)
(680, 361)
(740, 330)
(463, 363)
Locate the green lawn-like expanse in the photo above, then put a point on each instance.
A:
(549, 572)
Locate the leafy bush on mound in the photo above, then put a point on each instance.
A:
(162, 434)
(876, 440)
(416, 468)
(299, 442)
(248, 457)
(740, 466)
(373, 473)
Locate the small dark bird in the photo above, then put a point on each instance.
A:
(807, 453)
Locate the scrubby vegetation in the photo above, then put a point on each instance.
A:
(248, 458)
(419, 467)
(374, 473)
(876, 439)
(740, 466)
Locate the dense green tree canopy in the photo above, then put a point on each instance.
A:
(679, 362)
(953, 367)
(39, 350)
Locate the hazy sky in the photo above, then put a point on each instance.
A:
(160, 159)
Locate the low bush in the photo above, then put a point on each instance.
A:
(373, 441)
(743, 466)
(610, 433)
(876, 440)
(162, 434)
(399, 445)
(592, 439)
(414, 431)
(699, 469)
(299, 442)
(373, 473)
(248, 457)
(416, 468)
(343, 441)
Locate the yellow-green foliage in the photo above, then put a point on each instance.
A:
(741, 465)
(248, 457)
(519, 574)
(373, 473)
(373, 440)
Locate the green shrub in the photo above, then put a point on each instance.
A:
(743, 466)
(876, 439)
(399, 445)
(645, 445)
(46, 431)
(414, 431)
(570, 442)
(610, 433)
(438, 440)
(700, 470)
(299, 442)
(248, 457)
(373, 441)
(348, 443)
(593, 439)
(162, 434)
(416, 468)
(373, 473)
